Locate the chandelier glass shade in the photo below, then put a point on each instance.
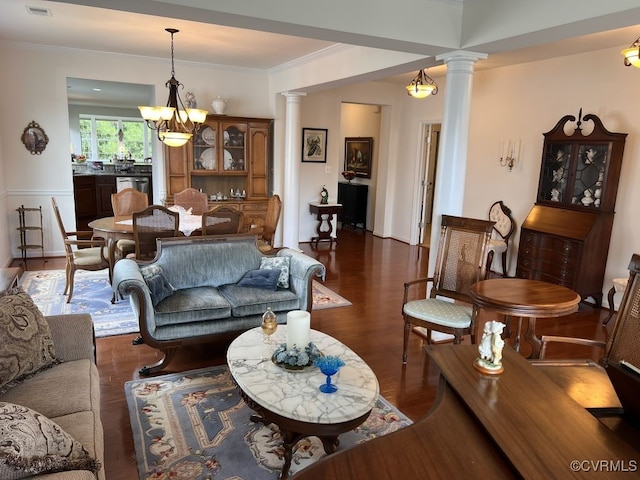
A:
(632, 54)
(422, 86)
(174, 124)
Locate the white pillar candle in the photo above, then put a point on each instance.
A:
(298, 326)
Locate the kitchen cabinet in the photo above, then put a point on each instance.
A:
(353, 197)
(565, 238)
(105, 187)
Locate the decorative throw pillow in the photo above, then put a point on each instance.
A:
(278, 263)
(33, 444)
(159, 286)
(266, 278)
(26, 346)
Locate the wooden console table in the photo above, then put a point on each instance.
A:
(325, 214)
(515, 425)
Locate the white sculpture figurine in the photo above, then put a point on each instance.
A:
(490, 349)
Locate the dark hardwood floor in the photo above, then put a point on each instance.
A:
(368, 271)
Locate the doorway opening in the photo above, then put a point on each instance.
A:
(428, 168)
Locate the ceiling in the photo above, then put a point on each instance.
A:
(63, 25)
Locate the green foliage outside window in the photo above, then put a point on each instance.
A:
(99, 138)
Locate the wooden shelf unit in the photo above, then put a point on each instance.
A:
(228, 153)
(26, 229)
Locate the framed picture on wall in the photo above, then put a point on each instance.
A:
(314, 145)
(358, 153)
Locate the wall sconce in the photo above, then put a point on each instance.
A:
(509, 158)
(632, 54)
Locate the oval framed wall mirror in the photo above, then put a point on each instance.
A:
(34, 138)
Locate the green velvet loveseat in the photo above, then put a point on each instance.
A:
(196, 289)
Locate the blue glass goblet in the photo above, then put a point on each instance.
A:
(328, 365)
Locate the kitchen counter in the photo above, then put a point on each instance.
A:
(86, 169)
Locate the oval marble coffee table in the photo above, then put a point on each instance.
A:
(292, 399)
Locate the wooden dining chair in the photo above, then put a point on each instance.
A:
(460, 262)
(150, 224)
(81, 254)
(124, 203)
(587, 381)
(190, 198)
(222, 221)
(266, 233)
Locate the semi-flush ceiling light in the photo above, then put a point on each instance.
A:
(422, 86)
(632, 54)
(174, 123)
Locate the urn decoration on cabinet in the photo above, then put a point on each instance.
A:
(565, 238)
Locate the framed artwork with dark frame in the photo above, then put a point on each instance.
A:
(358, 153)
(314, 145)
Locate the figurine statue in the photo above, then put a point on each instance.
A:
(190, 100)
(490, 349)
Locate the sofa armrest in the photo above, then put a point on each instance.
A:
(302, 269)
(73, 336)
(127, 281)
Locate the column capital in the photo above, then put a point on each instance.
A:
(461, 55)
(293, 96)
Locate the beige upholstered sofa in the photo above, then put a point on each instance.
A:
(67, 393)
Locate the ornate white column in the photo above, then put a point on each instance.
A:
(292, 148)
(452, 157)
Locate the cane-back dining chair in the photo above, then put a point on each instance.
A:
(190, 198)
(222, 221)
(266, 233)
(502, 231)
(150, 224)
(124, 203)
(587, 381)
(460, 262)
(94, 254)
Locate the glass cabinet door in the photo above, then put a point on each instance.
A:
(234, 153)
(554, 175)
(587, 187)
(204, 149)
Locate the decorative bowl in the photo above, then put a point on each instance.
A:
(349, 175)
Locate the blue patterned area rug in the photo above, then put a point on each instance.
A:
(91, 294)
(194, 425)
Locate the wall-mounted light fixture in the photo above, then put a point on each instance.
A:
(509, 157)
(422, 86)
(632, 54)
(174, 123)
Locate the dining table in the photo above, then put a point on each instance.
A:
(116, 228)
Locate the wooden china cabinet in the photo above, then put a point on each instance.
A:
(228, 154)
(565, 238)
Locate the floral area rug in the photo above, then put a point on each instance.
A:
(91, 294)
(324, 297)
(194, 425)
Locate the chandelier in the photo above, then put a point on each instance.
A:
(174, 124)
(632, 54)
(422, 86)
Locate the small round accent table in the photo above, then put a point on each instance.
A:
(520, 298)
